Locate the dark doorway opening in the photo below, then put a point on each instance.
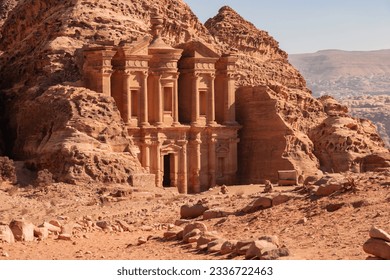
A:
(167, 171)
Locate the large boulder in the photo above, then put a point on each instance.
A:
(6, 234)
(377, 247)
(22, 230)
(192, 211)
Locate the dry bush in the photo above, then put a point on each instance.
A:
(7, 170)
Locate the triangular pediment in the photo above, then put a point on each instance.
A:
(138, 47)
(198, 49)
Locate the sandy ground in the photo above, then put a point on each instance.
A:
(323, 235)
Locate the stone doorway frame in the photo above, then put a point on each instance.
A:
(173, 151)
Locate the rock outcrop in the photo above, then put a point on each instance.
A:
(5, 7)
(55, 124)
(374, 108)
(341, 142)
(76, 134)
(282, 122)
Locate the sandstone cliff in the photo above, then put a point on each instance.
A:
(78, 135)
(41, 43)
(374, 108)
(281, 121)
(344, 143)
(41, 47)
(5, 7)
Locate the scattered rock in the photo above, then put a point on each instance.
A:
(268, 187)
(193, 211)
(282, 198)
(258, 247)
(228, 247)
(377, 247)
(360, 203)
(55, 223)
(302, 221)
(68, 228)
(215, 213)
(41, 233)
(258, 204)
(271, 238)
(171, 234)
(215, 245)
(196, 225)
(182, 222)
(332, 207)
(379, 234)
(22, 230)
(224, 190)
(103, 224)
(192, 236)
(51, 228)
(6, 234)
(147, 228)
(275, 254)
(124, 225)
(242, 246)
(207, 237)
(142, 240)
(65, 236)
(328, 189)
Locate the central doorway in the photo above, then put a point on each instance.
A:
(167, 180)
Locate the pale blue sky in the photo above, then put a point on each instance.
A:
(302, 26)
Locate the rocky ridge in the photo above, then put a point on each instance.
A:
(284, 104)
(374, 108)
(358, 79)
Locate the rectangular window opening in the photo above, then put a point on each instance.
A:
(134, 103)
(202, 102)
(168, 92)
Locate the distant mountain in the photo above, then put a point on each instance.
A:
(339, 73)
(358, 79)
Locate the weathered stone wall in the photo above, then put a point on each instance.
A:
(267, 142)
(77, 135)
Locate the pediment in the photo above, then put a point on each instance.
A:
(198, 49)
(138, 47)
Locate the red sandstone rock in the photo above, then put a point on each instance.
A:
(22, 230)
(6, 234)
(78, 135)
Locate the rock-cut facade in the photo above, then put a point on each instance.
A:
(178, 105)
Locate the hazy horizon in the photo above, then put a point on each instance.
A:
(304, 26)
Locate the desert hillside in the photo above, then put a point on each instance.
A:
(360, 80)
(341, 73)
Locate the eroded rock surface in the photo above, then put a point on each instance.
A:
(78, 135)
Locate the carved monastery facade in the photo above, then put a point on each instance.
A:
(178, 105)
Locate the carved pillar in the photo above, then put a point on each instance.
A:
(175, 108)
(232, 161)
(195, 99)
(195, 168)
(126, 97)
(144, 113)
(212, 161)
(145, 155)
(211, 102)
(230, 110)
(160, 104)
(155, 162)
(182, 180)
